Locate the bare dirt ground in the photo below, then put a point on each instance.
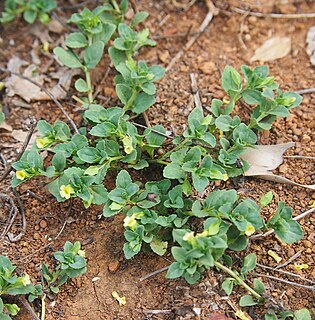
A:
(222, 43)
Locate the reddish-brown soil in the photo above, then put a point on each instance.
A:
(89, 297)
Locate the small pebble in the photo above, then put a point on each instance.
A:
(113, 266)
(36, 236)
(43, 224)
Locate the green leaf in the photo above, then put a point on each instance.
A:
(247, 301)
(252, 96)
(259, 286)
(158, 246)
(68, 58)
(249, 263)
(93, 54)
(227, 285)
(231, 81)
(174, 271)
(81, 85)
(302, 314)
(59, 161)
(13, 309)
(289, 231)
(76, 40)
(99, 194)
(123, 179)
(266, 199)
(174, 171)
(117, 56)
(124, 93)
(142, 102)
(30, 16)
(138, 18)
(89, 155)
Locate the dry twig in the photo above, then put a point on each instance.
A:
(154, 273)
(195, 92)
(212, 11)
(295, 256)
(49, 94)
(25, 144)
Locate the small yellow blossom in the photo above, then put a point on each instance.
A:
(204, 233)
(189, 236)
(46, 46)
(127, 142)
(274, 255)
(301, 266)
(121, 300)
(249, 230)
(21, 175)
(226, 101)
(82, 253)
(225, 177)
(130, 222)
(66, 191)
(42, 143)
(26, 280)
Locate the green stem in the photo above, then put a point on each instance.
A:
(43, 307)
(131, 100)
(89, 84)
(158, 161)
(238, 279)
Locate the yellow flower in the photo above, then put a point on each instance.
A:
(121, 300)
(204, 233)
(81, 253)
(26, 280)
(41, 143)
(301, 266)
(130, 222)
(46, 46)
(189, 236)
(21, 175)
(249, 230)
(127, 142)
(66, 191)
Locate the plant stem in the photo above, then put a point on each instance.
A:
(89, 84)
(159, 161)
(77, 99)
(238, 279)
(179, 146)
(43, 307)
(116, 6)
(131, 100)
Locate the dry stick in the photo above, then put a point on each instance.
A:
(304, 91)
(286, 281)
(66, 219)
(285, 272)
(52, 97)
(275, 15)
(21, 209)
(11, 217)
(28, 307)
(212, 11)
(154, 273)
(294, 257)
(195, 92)
(299, 217)
(36, 251)
(299, 157)
(25, 144)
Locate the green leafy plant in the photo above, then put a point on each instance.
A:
(161, 212)
(10, 284)
(302, 314)
(71, 264)
(31, 10)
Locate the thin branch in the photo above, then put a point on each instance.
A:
(299, 157)
(294, 257)
(285, 272)
(212, 11)
(312, 288)
(66, 219)
(275, 15)
(195, 91)
(28, 307)
(154, 273)
(52, 97)
(305, 91)
(25, 144)
(12, 214)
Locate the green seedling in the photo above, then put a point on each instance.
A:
(31, 10)
(71, 264)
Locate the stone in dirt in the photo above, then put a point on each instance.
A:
(113, 266)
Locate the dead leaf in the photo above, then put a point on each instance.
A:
(272, 49)
(29, 91)
(6, 127)
(265, 158)
(310, 41)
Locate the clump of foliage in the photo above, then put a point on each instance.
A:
(71, 264)
(163, 212)
(30, 9)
